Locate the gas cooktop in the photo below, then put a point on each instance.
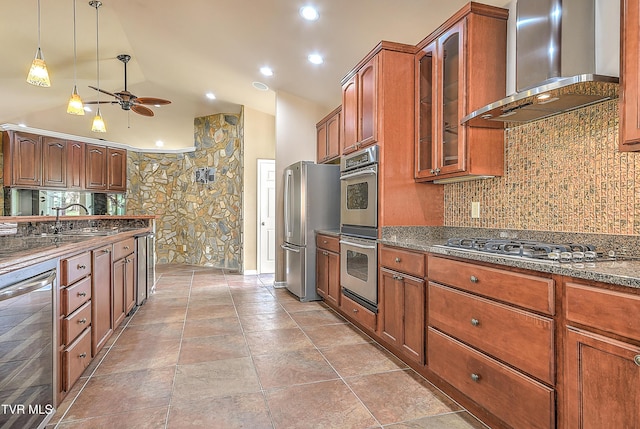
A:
(541, 251)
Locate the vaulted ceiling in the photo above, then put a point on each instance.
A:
(183, 49)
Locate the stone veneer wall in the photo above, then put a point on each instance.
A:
(206, 218)
(563, 173)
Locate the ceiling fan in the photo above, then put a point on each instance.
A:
(127, 100)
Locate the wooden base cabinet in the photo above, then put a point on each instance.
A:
(402, 301)
(102, 293)
(328, 268)
(123, 279)
(602, 382)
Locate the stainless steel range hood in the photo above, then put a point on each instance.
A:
(563, 55)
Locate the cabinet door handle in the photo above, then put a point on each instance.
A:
(82, 294)
(474, 279)
(325, 253)
(636, 359)
(397, 259)
(475, 322)
(82, 321)
(475, 377)
(106, 251)
(82, 355)
(82, 267)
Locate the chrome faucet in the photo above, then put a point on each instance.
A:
(56, 228)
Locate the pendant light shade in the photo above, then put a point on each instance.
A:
(98, 123)
(75, 106)
(38, 73)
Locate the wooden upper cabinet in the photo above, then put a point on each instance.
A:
(75, 165)
(630, 77)
(22, 159)
(96, 167)
(350, 115)
(360, 107)
(116, 169)
(454, 78)
(54, 163)
(329, 136)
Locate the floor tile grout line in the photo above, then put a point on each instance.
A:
(175, 371)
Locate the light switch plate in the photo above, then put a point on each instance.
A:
(475, 209)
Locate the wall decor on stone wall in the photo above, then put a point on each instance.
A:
(204, 217)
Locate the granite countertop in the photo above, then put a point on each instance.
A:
(35, 249)
(621, 272)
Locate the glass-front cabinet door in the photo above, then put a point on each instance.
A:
(440, 139)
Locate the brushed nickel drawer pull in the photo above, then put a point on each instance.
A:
(474, 279)
(475, 322)
(324, 241)
(126, 247)
(636, 359)
(397, 259)
(82, 267)
(355, 310)
(475, 377)
(82, 321)
(82, 355)
(325, 253)
(396, 277)
(106, 251)
(82, 294)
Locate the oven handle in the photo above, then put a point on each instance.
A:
(28, 285)
(366, 172)
(351, 243)
(291, 249)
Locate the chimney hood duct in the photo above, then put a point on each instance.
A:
(563, 55)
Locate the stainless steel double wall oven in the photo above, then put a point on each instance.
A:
(359, 226)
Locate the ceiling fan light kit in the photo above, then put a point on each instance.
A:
(38, 73)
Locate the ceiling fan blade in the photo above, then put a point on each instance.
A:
(141, 110)
(101, 102)
(103, 91)
(152, 101)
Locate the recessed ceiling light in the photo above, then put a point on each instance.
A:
(260, 86)
(315, 59)
(266, 70)
(309, 13)
(159, 143)
(211, 96)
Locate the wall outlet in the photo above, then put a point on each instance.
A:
(184, 247)
(207, 249)
(475, 210)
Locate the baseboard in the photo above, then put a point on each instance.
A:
(280, 284)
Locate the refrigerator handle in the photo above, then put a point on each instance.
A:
(289, 248)
(287, 203)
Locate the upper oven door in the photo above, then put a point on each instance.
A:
(359, 197)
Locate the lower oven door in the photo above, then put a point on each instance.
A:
(359, 197)
(358, 268)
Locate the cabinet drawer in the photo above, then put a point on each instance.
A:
(327, 242)
(75, 359)
(412, 263)
(76, 295)
(611, 311)
(75, 323)
(518, 400)
(75, 268)
(528, 291)
(497, 329)
(123, 248)
(366, 317)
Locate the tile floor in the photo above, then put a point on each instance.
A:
(212, 349)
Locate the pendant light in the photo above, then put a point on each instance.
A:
(75, 106)
(38, 74)
(98, 123)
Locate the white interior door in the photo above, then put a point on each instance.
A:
(266, 216)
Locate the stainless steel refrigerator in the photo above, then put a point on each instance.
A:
(311, 202)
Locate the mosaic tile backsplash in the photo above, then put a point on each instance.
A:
(563, 173)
